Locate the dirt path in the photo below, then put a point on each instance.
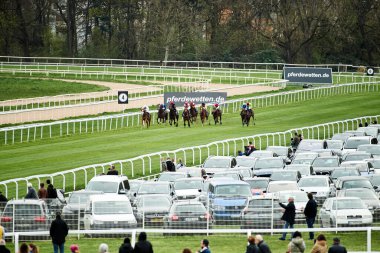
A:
(61, 113)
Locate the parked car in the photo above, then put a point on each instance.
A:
(320, 186)
(265, 166)
(349, 182)
(150, 210)
(112, 212)
(375, 180)
(357, 133)
(375, 164)
(304, 158)
(374, 150)
(171, 176)
(231, 174)
(262, 154)
(285, 175)
(304, 169)
(109, 184)
(356, 156)
(245, 161)
(344, 211)
(189, 188)
(151, 187)
(218, 163)
(341, 136)
(344, 171)
(188, 215)
(281, 151)
(335, 146)
(365, 168)
(74, 209)
(352, 143)
(26, 215)
(191, 171)
(263, 213)
(245, 172)
(258, 185)
(325, 165)
(134, 187)
(309, 145)
(300, 201)
(277, 186)
(369, 130)
(228, 199)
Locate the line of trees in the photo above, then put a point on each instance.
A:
(293, 31)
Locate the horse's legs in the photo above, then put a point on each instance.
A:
(220, 122)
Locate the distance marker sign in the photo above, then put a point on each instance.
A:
(122, 97)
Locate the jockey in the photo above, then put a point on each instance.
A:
(216, 107)
(192, 105)
(163, 106)
(244, 107)
(248, 104)
(172, 105)
(186, 106)
(145, 108)
(203, 107)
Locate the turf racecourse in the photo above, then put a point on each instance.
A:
(54, 155)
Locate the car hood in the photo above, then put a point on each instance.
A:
(112, 217)
(187, 192)
(154, 209)
(233, 201)
(214, 170)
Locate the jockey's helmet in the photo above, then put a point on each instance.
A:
(247, 103)
(244, 106)
(203, 104)
(216, 105)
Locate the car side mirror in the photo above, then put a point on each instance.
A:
(199, 190)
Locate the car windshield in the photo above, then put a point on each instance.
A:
(217, 163)
(245, 162)
(304, 170)
(283, 176)
(357, 184)
(233, 190)
(362, 167)
(372, 149)
(134, 186)
(170, 177)
(156, 201)
(103, 186)
(258, 184)
(343, 173)
(154, 189)
(354, 143)
(308, 145)
(356, 157)
(262, 203)
(298, 196)
(268, 163)
(303, 161)
(326, 162)
(361, 194)
(76, 198)
(313, 182)
(280, 151)
(197, 208)
(281, 187)
(112, 207)
(183, 185)
(337, 144)
(348, 204)
(234, 176)
(23, 210)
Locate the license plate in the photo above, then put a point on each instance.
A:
(156, 220)
(191, 219)
(235, 215)
(354, 222)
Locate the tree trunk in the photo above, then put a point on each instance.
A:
(71, 28)
(24, 37)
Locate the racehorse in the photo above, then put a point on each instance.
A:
(246, 116)
(145, 119)
(203, 115)
(173, 116)
(193, 114)
(162, 115)
(217, 116)
(186, 117)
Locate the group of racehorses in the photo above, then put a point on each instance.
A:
(190, 115)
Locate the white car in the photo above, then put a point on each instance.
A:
(352, 143)
(344, 211)
(276, 186)
(319, 186)
(109, 184)
(111, 212)
(188, 188)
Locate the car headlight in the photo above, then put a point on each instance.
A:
(219, 208)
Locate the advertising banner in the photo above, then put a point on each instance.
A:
(196, 97)
(308, 75)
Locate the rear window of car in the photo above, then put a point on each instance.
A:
(23, 210)
(190, 209)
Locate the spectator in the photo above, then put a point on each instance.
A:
(360, 124)
(170, 165)
(103, 248)
(33, 248)
(51, 191)
(297, 244)
(288, 216)
(374, 122)
(252, 247)
(3, 249)
(126, 247)
(204, 174)
(143, 246)
(32, 194)
(336, 247)
(112, 171)
(163, 165)
(24, 248)
(240, 153)
(250, 148)
(58, 233)
(74, 248)
(365, 124)
(295, 141)
(179, 164)
(300, 137)
(310, 212)
(320, 245)
(186, 250)
(3, 199)
(204, 247)
(42, 192)
(263, 247)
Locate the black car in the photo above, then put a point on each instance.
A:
(188, 215)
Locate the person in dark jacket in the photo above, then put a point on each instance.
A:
(32, 194)
(204, 247)
(310, 212)
(58, 233)
(252, 247)
(3, 249)
(126, 247)
(51, 191)
(336, 247)
(263, 247)
(3, 199)
(170, 165)
(289, 216)
(143, 246)
(112, 171)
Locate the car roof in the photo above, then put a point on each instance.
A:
(110, 197)
(359, 138)
(270, 158)
(344, 198)
(346, 178)
(156, 183)
(315, 176)
(109, 178)
(174, 173)
(86, 192)
(257, 179)
(282, 182)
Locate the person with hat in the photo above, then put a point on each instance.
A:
(336, 247)
(58, 232)
(32, 194)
